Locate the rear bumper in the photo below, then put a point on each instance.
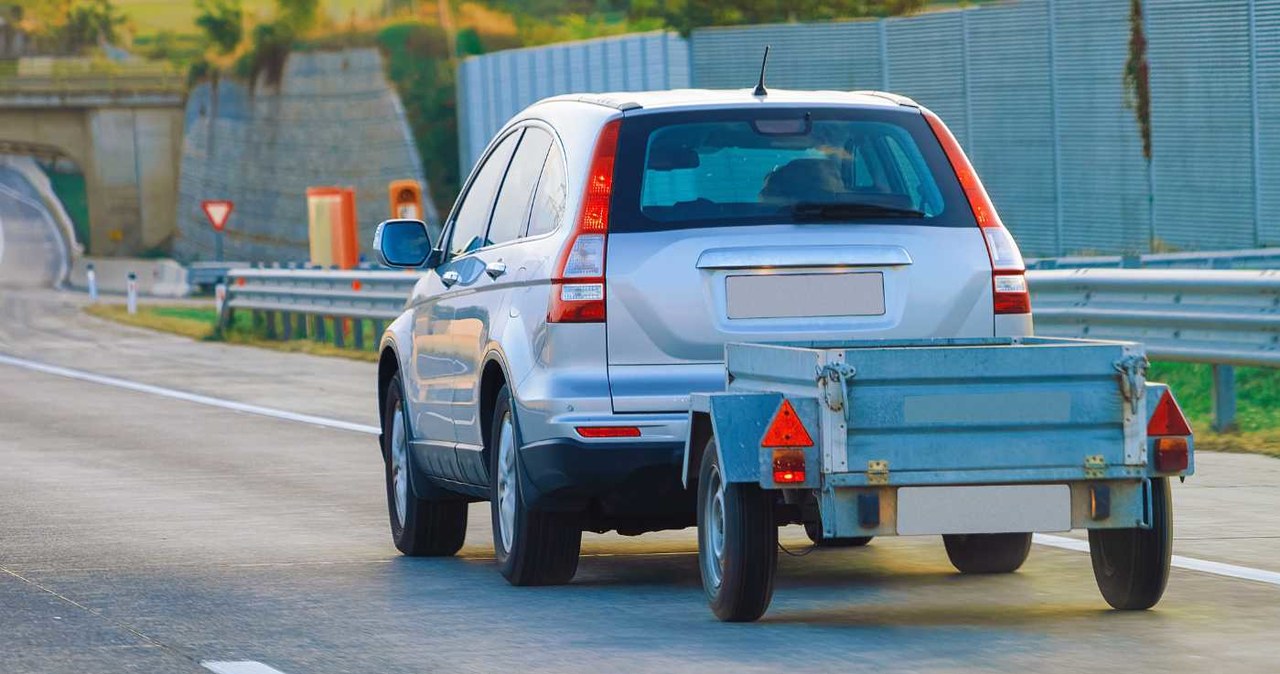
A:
(628, 480)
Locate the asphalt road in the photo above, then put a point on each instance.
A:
(143, 533)
(31, 250)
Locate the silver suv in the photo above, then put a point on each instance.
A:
(604, 250)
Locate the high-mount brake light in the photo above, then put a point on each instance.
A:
(578, 288)
(1008, 271)
(1169, 427)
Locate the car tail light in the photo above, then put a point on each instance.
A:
(1170, 429)
(608, 431)
(1008, 272)
(578, 288)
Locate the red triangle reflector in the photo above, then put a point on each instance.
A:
(786, 430)
(1167, 419)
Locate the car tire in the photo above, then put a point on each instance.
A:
(1132, 565)
(814, 531)
(987, 553)
(419, 527)
(532, 547)
(737, 543)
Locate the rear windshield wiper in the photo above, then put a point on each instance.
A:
(844, 211)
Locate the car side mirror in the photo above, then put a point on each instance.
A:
(403, 243)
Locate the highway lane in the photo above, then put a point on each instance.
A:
(32, 253)
(141, 533)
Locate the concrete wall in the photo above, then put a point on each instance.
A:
(129, 157)
(333, 120)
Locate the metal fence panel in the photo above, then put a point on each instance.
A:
(927, 61)
(841, 55)
(1266, 88)
(1201, 123)
(1104, 193)
(1011, 125)
(495, 87)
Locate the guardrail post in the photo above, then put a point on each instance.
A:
(270, 318)
(300, 326)
(1224, 398)
(339, 327)
(318, 333)
(286, 326)
(357, 333)
(377, 331)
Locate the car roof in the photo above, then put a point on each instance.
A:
(697, 98)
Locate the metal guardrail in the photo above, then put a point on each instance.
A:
(319, 304)
(1201, 316)
(1253, 258)
(1225, 318)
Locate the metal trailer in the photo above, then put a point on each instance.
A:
(983, 441)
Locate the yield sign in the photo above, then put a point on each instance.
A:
(217, 212)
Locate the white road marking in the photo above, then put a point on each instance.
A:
(188, 397)
(239, 667)
(1179, 562)
(1188, 563)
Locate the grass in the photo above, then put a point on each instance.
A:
(200, 323)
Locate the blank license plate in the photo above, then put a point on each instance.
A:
(805, 295)
(984, 509)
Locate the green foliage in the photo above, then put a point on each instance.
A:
(417, 58)
(298, 15)
(88, 23)
(685, 15)
(222, 22)
(1257, 394)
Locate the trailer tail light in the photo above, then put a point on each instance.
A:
(608, 431)
(578, 287)
(1008, 271)
(788, 466)
(1170, 429)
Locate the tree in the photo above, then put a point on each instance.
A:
(298, 15)
(685, 15)
(90, 23)
(222, 22)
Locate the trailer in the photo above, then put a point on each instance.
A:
(982, 441)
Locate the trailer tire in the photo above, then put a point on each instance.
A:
(737, 542)
(814, 531)
(1132, 565)
(987, 553)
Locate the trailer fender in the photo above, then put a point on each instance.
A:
(738, 421)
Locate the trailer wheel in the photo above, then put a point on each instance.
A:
(737, 543)
(987, 553)
(814, 531)
(1132, 565)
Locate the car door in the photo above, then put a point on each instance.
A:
(494, 274)
(440, 355)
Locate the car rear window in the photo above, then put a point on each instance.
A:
(736, 166)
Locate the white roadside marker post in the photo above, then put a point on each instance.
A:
(91, 277)
(131, 287)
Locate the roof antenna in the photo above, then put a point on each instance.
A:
(760, 90)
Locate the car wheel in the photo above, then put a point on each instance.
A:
(419, 527)
(532, 547)
(737, 543)
(987, 553)
(814, 531)
(1132, 565)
